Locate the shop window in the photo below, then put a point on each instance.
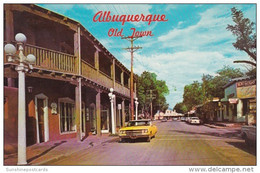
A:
(67, 115)
(245, 107)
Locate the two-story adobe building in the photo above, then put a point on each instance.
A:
(67, 90)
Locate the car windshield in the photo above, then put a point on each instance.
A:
(138, 123)
(195, 118)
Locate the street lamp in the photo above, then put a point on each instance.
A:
(136, 108)
(112, 97)
(25, 64)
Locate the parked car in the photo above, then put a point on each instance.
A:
(175, 119)
(248, 133)
(194, 120)
(183, 118)
(164, 120)
(187, 120)
(138, 129)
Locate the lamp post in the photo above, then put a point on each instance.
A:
(112, 97)
(136, 108)
(24, 65)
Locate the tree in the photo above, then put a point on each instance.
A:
(213, 86)
(146, 82)
(246, 39)
(193, 95)
(180, 107)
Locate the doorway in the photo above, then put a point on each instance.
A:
(41, 116)
(40, 109)
(104, 121)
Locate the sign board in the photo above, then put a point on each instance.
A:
(246, 91)
(246, 83)
(233, 100)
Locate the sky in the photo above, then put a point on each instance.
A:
(194, 41)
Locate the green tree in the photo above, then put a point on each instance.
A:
(148, 81)
(246, 38)
(180, 107)
(213, 86)
(193, 95)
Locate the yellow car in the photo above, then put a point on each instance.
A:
(138, 129)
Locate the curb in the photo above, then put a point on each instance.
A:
(213, 126)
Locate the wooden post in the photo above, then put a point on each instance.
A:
(123, 112)
(122, 77)
(77, 51)
(78, 96)
(96, 55)
(98, 112)
(9, 24)
(78, 109)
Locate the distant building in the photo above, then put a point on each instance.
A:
(168, 114)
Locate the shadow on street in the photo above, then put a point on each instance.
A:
(226, 134)
(244, 147)
(46, 151)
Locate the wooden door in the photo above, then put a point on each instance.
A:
(40, 109)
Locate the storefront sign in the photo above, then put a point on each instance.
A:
(233, 100)
(246, 91)
(246, 83)
(54, 108)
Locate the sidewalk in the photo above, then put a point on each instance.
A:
(223, 125)
(43, 153)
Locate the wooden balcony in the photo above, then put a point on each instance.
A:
(101, 78)
(52, 60)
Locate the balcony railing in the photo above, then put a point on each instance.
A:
(61, 62)
(52, 60)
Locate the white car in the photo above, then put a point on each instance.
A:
(194, 120)
(248, 133)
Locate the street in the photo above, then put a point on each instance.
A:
(176, 143)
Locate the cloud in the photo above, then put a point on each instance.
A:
(203, 33)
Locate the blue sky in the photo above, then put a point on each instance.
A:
(194, 41)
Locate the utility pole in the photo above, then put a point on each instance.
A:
(132, 49)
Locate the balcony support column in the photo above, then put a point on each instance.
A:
(78, 98)
(98, 112)
(9, 24)
(122, 77)
(77, 51)
(96, 56)
(123, 112)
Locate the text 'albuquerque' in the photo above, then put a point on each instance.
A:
(107, 17)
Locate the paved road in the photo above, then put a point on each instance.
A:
(176, 143)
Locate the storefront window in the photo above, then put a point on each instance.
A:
(67, 116)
